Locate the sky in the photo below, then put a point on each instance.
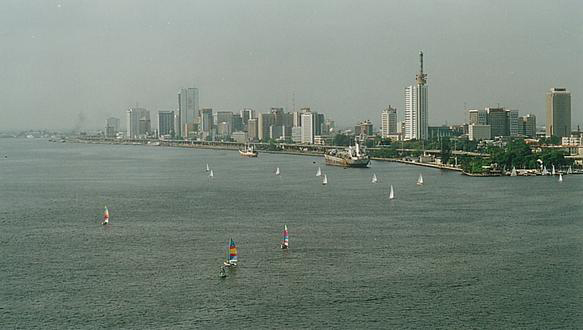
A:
(74, 63)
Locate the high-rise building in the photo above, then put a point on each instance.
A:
(498, 121)
(111, 126)
(297, 119)
(138, 122)
(263, 123)
(558, 112)
(206, 119)
(528, 125)
(277, 116)
(187, 109)
(246, 114)
(388, 122)
(252, 129)
(307, 127)
(513, 122)
(237, 122)
(416, 115)
(165, 123)
(478, 132)
(478, 117)
(224, 116)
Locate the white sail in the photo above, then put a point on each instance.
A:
(570, 170)
(392, 193)
(420, 180)
(545, 172)
(553, 172)
(319, 173)
(211, 174)
(207, 167)
(374, 178)
(560, 177)
(513, 173)
(325, 180)
(277, 171)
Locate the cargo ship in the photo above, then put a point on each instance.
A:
(350, 157)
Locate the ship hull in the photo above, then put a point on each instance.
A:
(248, 154)
(344, 162)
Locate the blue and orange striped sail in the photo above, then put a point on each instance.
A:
(232, 252)
(285, 237)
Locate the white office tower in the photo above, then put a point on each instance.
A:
(307, 128)
(416, 118)
(388, 122)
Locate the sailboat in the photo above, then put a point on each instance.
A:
(392, 193)
(374, 178)
(105, 220)
(231, 255)
(545, 172)
(570, 170)
(211, 174)
(553, 172)
(207, 167)
(325, 180)
(513, 173)
(319, 173)
(277, 171)
(560, 177)
(420, 180)
(285, 243)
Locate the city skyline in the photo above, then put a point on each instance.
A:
(84, 68)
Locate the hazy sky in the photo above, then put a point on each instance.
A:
(348, 59)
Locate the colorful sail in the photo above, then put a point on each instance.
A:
(285, 237)
(232, 252)
(105, 216)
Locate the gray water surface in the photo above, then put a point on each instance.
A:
(456, 252)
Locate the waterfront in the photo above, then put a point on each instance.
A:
(457, 252)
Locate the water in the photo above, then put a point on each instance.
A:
(456, 252)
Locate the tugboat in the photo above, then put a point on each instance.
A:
(248, 151)
(350, 157)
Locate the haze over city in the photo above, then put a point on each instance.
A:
(67, 63)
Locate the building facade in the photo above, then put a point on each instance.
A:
(558, 112)
(187, 109)
(165, 123)
(307, 129)
(111, 126)
(138, 123)
(479, 132)
(388, 122)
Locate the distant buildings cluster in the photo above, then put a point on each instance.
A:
(305, 126)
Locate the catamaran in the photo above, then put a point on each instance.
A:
(420, 180)
(392, 193)
(560, 177)
(207, 167)
(231, 255)
(285, 243)
(105, 220)
(319, 173)
(277, 171)
(211, 174)
(325, 180)
(374, 178)
(513, 173)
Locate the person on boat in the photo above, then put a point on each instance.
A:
(222, 272)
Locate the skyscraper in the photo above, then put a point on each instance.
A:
(528, 125)
(187, 109)
(138, 122)
(111, 126)
(498, 121)
(206, 120)
(558, 112)
(388, 122)
(165, 123)
(416, 117)
(478, 117)
(307, 130)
